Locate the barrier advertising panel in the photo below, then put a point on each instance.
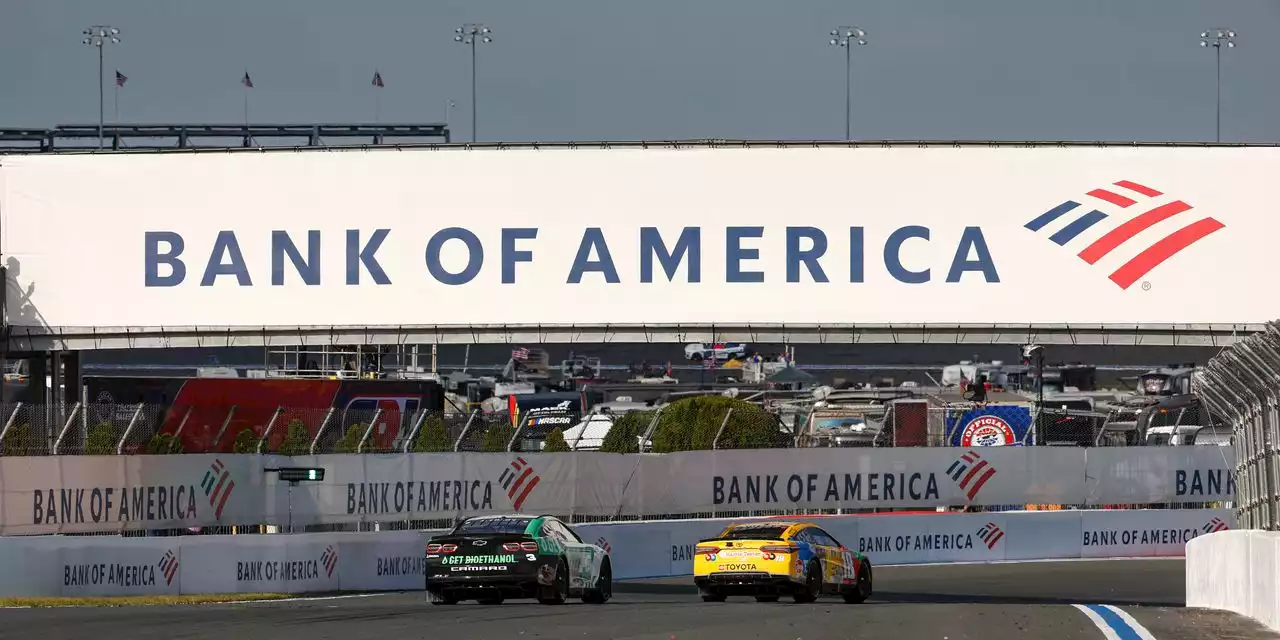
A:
(53, 494)
(394, 561)
(681, 235)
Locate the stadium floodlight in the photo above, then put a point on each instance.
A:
(1218, 38)
(846, 37)
(470, 34)
(100, 36)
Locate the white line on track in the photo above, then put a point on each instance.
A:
(1115, 623)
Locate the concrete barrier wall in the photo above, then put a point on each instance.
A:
(1236, 571)
(324, 562)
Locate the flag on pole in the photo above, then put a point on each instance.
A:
(377, 79)
(246, 80)
(121, 78)
(520, 353)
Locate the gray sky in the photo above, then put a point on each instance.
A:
(662, 69)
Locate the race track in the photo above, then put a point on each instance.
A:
(956, 602)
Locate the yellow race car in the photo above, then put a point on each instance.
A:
(771, 559)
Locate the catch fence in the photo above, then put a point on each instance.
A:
(716, 423)
(1242, 384)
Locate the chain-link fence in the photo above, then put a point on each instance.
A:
(1242, 385)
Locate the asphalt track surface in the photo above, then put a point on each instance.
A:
(954, 602)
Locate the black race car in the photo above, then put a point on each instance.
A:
(492, 558)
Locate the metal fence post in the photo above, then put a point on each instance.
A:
(57, 444)
(376, 414)
(515, 435)
(715, 444)
(226, 422)
(9, 423)
(457, 444)
(413, 433)
(271, 424)
(319, 432)
(648, 432)
(127, 430)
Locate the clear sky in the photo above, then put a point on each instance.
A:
(662, 69)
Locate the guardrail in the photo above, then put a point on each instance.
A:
(44, 566)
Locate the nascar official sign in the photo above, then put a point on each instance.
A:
(933, 235)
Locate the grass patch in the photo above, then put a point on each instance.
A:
(137, 601)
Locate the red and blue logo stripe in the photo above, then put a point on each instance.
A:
(1126, 194)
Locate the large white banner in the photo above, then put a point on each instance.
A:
(394, 561)
(662, 236)
(85, 493)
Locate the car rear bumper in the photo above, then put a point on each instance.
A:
(464, 587)
(744, 583)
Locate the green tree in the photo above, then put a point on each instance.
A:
(555, 442)
(297, 442)
(691, 425)
(246, 442)
(164, 444)
(102, 440)
(433, 437)
(17, 442)
(622, 436)
(497, 436)
(350, 441)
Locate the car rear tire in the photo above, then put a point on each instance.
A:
(812, 585)
(441, 599)
(766, 598)
(559, 592)
(862, 586)
(604, 586)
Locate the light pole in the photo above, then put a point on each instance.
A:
(469, 34)
(846, 37)
(1217, 38)
(99, 36)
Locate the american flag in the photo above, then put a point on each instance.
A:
(520, 353)
(377, 79)
(246, 80)
(121, 79)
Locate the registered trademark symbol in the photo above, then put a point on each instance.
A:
(1146, 286)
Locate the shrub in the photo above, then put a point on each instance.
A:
(350, 440)
(433, 437)
(624, 432)
(691, 425)
(297, 442)
(102, 440)
(164, 444)
(246, 442)
(555, 442)
(17, 442)
(497, 436)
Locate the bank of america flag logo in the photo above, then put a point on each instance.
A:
(169, 566)
(1215, 525)
(990, 534)
(217, 485)
(329, 559)
(971, 472)
(519, 480)
(604, 544)
(1125, 195)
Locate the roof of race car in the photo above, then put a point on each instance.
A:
(789, 528)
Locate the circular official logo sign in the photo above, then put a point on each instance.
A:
(987, 431)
